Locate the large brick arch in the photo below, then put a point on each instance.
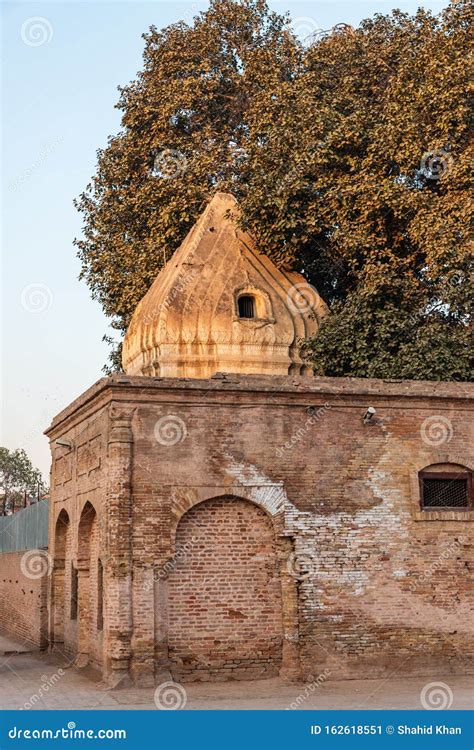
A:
(225, 594)
(270, 498)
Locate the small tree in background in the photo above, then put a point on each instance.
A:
(18, 480)
(350, 158)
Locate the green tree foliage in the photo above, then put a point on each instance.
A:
(390, 328)
(18, 478)
(351, 160)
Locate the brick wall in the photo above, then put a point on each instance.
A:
(225, 612)
(369, 583)
(78, 483)
(23, 600)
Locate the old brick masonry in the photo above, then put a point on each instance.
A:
(243, 526)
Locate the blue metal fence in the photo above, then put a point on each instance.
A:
(27, 529)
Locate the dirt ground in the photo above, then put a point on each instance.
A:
(32, 680)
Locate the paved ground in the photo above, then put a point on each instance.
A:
(33, 680)
(9, 645)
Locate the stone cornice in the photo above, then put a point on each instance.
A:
(271, 390)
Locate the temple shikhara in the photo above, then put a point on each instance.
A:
(221, 306)
(219, 513)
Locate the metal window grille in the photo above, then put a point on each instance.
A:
(445, 492)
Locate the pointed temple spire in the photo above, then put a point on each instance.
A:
(219, 305)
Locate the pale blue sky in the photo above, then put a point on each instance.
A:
(58, 108)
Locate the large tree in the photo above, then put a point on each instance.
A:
(350, 157)
(184, 125)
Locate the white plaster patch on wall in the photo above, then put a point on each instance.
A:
(263, 491)
(382, 485)
(271, 498)
(328, 586)
(399, 518)
(304, 527)
(308, 528)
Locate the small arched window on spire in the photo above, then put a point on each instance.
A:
(246, 306)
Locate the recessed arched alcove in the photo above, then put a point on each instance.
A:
(89, 587)
(224, 593)
(62, 556)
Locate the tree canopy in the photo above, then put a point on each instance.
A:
(18, 479)
(350, 157)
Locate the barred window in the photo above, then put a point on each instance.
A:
(446, 490)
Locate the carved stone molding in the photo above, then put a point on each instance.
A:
(121, 423)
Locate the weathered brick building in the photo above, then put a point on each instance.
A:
(260, 522)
